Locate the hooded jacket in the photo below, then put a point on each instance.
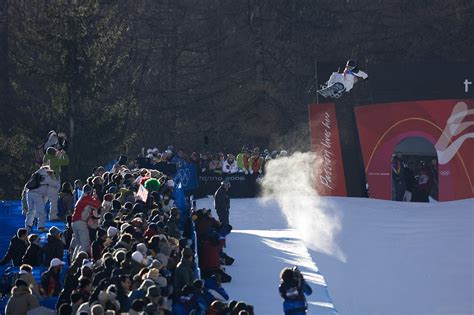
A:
(34, 255)
(28, 278)
(21, 301)
(54, 248)
(15, 252)
(82, 209)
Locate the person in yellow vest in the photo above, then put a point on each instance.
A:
(256, 162)
(243, 160)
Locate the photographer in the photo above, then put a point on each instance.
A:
(222, 201)
(293, 289)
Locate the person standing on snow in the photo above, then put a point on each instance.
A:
(293, 289)
(222, 202)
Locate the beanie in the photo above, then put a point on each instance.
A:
(152, 184)
(112, 231)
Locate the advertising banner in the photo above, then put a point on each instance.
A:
(325, 143)
(447, 124)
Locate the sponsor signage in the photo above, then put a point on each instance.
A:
(329, 171)
(447, 124)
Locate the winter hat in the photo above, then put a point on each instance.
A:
(56, 262)
(137, 208)
(54, 231)
(86, 263)
(142, 249)
(152, 184)
(33, 238)
(108, 216)
(156, 264)
(116, 205)
(153, 291)
(174, 211)
(108, 197)
(187, 252)
(137, 257)
(97, 310)
(112, 231)
(86, 189)
(112, 190)
(123, 227)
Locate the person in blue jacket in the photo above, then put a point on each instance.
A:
(293, 289)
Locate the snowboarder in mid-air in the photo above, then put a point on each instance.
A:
(342, 82)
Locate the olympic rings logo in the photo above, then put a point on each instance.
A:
(183, 176)
(444, 173)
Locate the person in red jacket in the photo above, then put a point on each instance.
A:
(209, 257)
(82, 211)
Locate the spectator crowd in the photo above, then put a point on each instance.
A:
(247, 161)
(126, 246)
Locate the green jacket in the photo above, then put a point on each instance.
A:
(55, 163)
(243, 163)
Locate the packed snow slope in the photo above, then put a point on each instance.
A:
(392, 258)
(262, 246)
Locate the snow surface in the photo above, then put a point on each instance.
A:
(400, 258)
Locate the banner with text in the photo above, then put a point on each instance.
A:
(325, 143)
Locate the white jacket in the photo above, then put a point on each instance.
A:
(230, 168)
(347, 79)
(46, 182)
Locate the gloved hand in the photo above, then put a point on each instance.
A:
(246, 172)
(260, 171)
(251, 171)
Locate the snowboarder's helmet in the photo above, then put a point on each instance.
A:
(351, 64)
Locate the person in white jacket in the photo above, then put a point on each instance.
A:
(230, 165)
(348, 77)
(37, 195)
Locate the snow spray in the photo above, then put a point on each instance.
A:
(290, 181)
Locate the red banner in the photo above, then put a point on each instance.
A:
(325, 143)
(447, 124)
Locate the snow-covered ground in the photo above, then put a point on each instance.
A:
(400, 258)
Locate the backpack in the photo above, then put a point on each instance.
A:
(34, 181)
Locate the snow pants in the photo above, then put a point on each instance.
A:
(223, 215)
(35, 204)
(53, 196)
(80, 238)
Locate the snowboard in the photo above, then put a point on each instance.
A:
(334, 90)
